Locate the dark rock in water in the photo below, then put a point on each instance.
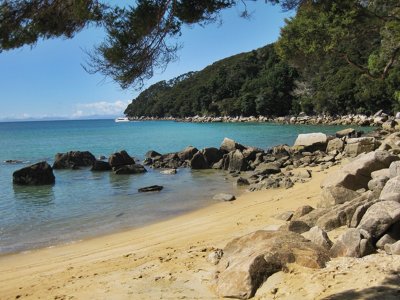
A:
(236, 161)
(212, 155)
(152, 188)
(13, 161)
(102, 157)
(73, 159)
(198, 162)
(147, 161)
(187, 153)
(37, 174)
(169, 160)
(242, 181)
(129, 169)
(121, 158)
(152, 154)
(229, 145)
(100, 165)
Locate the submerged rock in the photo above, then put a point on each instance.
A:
(152, 188)
(100, 165)
(129, 169)
(37, 174)
(224, 197)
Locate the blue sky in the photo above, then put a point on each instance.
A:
(48, 81)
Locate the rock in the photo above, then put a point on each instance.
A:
(302, 211)
(129, 169)
(168, 172)
(198, 162)
(348, 132)
(391, 190)
(335, 145)
(377, 184)
(152, 188)
(391, 236)
(393, 249)
(187, 153)
(381, 173)
(237, 161)
(13, 161)
(333, 195)
(356, 174)
(242, 181)
(312, 141)
(249, 260)
(73, 159)
(394, 169)
(215, 256)
(379, 217)
(152, 154)
(297, 226)
(121, 158)
(359, 213)
(212, 155)
(37, 174)
(285, 216)
(318, 237)
(229, 145)
(268, 168)
(100, 165)
(356, 146)
(305, 174)
(353, 243)
(224, 197)
(286, 183)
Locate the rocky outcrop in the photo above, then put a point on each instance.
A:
(187, 153)
(229, 145)
(249, 260)
(199, 161)
(353, 243)
(212, 155)
(312, 141)
(38, 174)
(73, 160)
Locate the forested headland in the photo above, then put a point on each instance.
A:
(333, 57)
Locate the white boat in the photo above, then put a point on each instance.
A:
(121, 119)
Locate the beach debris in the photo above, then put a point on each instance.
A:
(38, 174)
(73, 160)
(152, 188)
(224, 197)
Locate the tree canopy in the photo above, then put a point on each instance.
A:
(140, 36)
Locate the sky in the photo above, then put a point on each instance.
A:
(47, 81)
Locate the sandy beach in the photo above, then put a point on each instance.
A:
(167, 260)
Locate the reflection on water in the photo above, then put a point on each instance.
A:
(34, 195)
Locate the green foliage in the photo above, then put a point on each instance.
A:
(254, 83)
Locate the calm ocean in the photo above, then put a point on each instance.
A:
(84, 204)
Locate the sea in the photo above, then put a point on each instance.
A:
(83, 204)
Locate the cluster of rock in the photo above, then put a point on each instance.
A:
(42, 173)
(259, 169)
(363, 196)
(378, 119)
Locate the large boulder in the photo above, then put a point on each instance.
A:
(212, 155)
(229, 145)
(268, 168)
(394, 169)
(129, 169)
(356, 174)
(198, 161)
(333, 195)
(249, 260)
(187, 153)
(236, 161)
(353, 243)
(318, 237)
(312, 141)
(121, 158)
(356, 146)
(348, 132)
(335, 144)
(379, 217)
(100, 165)
(38, 174)
(73, 159)
(391, 190)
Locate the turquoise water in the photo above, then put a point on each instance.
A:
(83, 204)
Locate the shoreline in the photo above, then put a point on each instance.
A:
(21, 273)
